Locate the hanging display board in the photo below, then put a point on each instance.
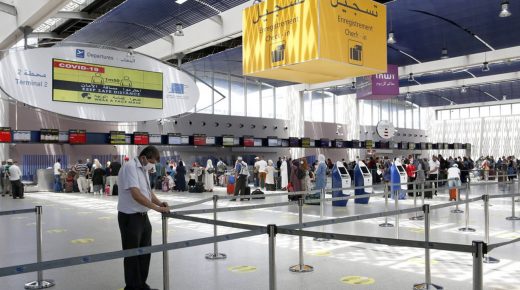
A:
(97, 84)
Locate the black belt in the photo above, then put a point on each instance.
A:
(137, 213)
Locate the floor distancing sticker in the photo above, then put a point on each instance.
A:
(19, 218)
(33, 224)
(417, 230)
(357, 280)
(242, 269)
(56, 231)
(82, 241)
(420, 261)
(105, 218)
(320, 253)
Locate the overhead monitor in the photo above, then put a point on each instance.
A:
(141, 138)
(49, 135)
(174, 139)
(258, 142)
(5, 135)
(249, 141)
(294, 142)
(228, 140)
(411, 146)
(117, 137)
(356, 144)
(339, 143)
(272, 141)
(21, 136)
(199, 139)
(324, 143)
(312, 144)
(369, 144)
(285, 142)
(236, 141)
(63, 137)
(155, 139)
(185, 140)
(210, 140)
(77, 136)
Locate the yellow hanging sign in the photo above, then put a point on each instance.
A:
(314, 41)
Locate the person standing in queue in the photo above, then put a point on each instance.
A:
(135, 199)
(241, 176)
(15, 177)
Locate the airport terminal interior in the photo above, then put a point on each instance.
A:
(289, 144)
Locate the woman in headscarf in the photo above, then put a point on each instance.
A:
(321, 173)
(180, 177)
(306, 182)
(269, 179)
(283, 172)
(295, 181)
(209, 177)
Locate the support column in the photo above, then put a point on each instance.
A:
(4, 122)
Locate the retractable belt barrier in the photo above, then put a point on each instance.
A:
(17, 211)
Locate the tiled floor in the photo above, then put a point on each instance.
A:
(79, 224)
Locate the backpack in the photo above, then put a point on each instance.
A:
(300, 173)
(243, 169)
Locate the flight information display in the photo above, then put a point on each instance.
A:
(199, 139)
(63, 137)
(5, 135)
(369, 144)
(155, 138)
(228, 140)
(117, 137)
(174, 139)
(306, 142)
(272, 141)
(249, 141)
(49, 135)
(21, 136)
(79, 82)
(141, 138)
(77, 136)
(294, 142)
(210, 140)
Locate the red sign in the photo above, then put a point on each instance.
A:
(80, 67)
(77, 136)
(5, 135)
(249, 141)
(141, 138)
(199, 140)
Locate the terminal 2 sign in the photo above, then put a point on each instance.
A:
(312, 41)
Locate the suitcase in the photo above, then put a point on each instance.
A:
(115, 190)
(231, 179)
(428, 190)
(107, 190)
(453, 194)
(247, 192)
(197, 188)
(231, 188)
(69, 186)
(165, 186)
(257, 192)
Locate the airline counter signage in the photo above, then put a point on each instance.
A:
(311, 41)
(379, 86)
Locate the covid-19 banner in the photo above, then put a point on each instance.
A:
(314, 41)
(97, 84)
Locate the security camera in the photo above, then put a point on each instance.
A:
(175, 122)
(216, 124)
(241, 125)
(285, 128)
(203, 123)
(253, 126)
(228, 125)
(265, 127)
(190, 123)
(275, 127)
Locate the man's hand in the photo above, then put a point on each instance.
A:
(162, 209)
(165, 204)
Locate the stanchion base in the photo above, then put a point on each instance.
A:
(213, 256)
(320, 239)
(512, 218)
(301, 268)
(517, 200)
(386, 225)
(467, 230)
(40, 284)
(425, 286)
(457, 211)
(490, 260)
(417, 218)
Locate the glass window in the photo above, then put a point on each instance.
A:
(267, 101)
(484, 111)
(409, 117)
(253, 99)
(505, 110)
(221, 84)
(385, 110)
(494, 110)
(395, 115)
(237, 96)
(474, 112)
(443, 115)
(281, 96)
(416, 118)
(328, 107)
(454, 114)
(205, 102)
(307, 106)
(400, 116)
(375, 112)
(366, 113)
(516, 109)
(464, 113)
(317, 106)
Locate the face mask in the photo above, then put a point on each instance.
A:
(149, 166)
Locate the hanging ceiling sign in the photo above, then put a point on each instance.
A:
(379, 86)
(311, 41)
(97, 84)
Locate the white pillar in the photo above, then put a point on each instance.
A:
(4, 122)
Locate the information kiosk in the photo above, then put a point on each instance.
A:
(398, 175)
(362, 177)
(340, 179)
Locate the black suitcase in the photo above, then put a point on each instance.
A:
(428, 189)
(197, 188)
(115, 190)
(247, 192)
(257, 192)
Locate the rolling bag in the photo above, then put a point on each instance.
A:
(115, 190)
(257, 192)
(428, 190)
(247, 192)
(231, 188)
(453, 194)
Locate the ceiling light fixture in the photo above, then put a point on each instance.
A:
(391, 38)
(180, 1)
(463, 89)
(410, 77)
(444, 53)
(485, 66)
(178, 29)
(504, 12)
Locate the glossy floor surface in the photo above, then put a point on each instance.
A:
(82, 224)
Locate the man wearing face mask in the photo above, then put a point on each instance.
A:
(135, 200)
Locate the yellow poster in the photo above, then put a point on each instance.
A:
(312, 41)
(79, 82)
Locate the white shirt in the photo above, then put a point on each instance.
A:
(434, 166)
(453, 172)
(132, 174)
(262, 164)
(14, 172)
(57, 168)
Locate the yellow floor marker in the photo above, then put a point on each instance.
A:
(357, 280)
(105, 218)
(82, 241)
(420, 261)
(242, 269)
(417, 230)
(320, 253)
(56, 231)
(19, 218)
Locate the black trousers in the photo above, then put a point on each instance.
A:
(240, 186)
(136, 232)
(435, 184)
(17, 188)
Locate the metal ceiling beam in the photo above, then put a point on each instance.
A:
(8, 8)
(74, 15)
(51, 35)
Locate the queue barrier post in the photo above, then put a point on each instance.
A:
(301, 267)
(166, 260)
(416, 190)
(322, 209)
(513, 217)
(478, 255)
(467, 228)
(215, 255)
(487, 258)
(396, 198)
(386, 224)
(271, 232)
(40, 283)
(427, 270)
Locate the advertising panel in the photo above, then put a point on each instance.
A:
(5, 135)
(77, 136)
